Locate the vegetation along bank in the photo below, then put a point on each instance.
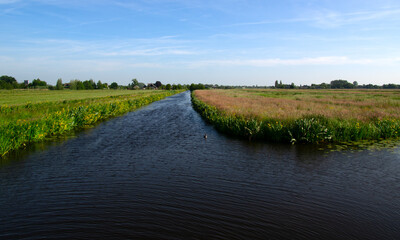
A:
(23, 123)
(309, 116)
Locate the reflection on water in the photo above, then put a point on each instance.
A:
(152, 175)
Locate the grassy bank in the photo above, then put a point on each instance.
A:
(311, 116)
(23, 123)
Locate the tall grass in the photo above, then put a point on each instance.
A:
(309, 127)
(28, 123)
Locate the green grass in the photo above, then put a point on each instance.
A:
(17, 97)
(28, 122)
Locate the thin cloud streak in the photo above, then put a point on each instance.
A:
(334, 19)
(329, 60)
(329, 18)
(166, 45)
(149, 52)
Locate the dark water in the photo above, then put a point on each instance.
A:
(151, 175)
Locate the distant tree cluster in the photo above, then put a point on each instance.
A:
(285, 86)
(85, 85)
(341, 84)
(37, 83)
(391, 86)
(337, 84)
(7, 82)
(196, 86)
(173, 87)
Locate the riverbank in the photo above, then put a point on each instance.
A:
(32, 122)
(301, 116)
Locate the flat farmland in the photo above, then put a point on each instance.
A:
(305, 115)
(16, 97)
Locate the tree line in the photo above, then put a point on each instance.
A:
(8, 82)
(336, 84)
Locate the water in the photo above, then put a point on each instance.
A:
(151, 175)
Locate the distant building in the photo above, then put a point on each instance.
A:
(26, 82)
(151, 86)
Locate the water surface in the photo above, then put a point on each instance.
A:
(151, 175)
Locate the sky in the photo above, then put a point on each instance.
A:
(225, 42)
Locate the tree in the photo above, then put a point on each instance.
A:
(114, 85)
(390, 86)
(73, 84)
(99, 85)
(158, 84)
(88, 85)
(59, 85)
(8, 79)
(196, 86)
(92, 83)
(341, 84)
(80, 85)
(134, 84)
(276, 84)
(76, 85)
(8, 82)
(168, 87)
(325, 86)
(38, 83)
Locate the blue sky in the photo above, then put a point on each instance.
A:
(226, 42)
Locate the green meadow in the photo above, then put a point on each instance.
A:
(16, 97)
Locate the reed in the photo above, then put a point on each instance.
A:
(24, 124)
(278, 116)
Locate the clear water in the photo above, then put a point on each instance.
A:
(151, 175)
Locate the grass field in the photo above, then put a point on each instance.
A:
(15, 97)
(303, 115)
(49, 113)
